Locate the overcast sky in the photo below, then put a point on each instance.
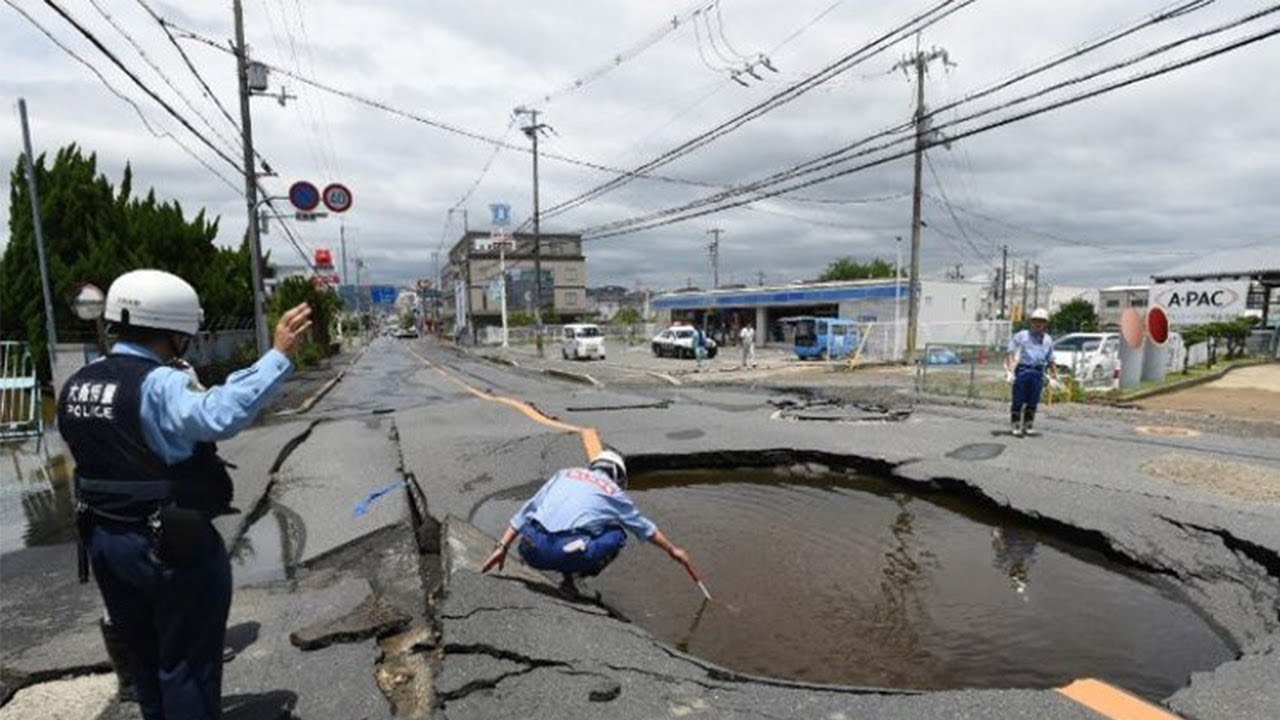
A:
(1104, 191)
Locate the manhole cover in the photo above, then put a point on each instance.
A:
(977, 451)
(1166, 431)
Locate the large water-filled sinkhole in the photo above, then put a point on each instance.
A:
(846, 578)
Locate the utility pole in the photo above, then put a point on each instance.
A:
(342, 233)
(714, 251)
(920, 63)
(1026, 271)
(50, 331)
(1037, 281)
(897, 303)
(531, 131)
(1004, 281)
(250, 180)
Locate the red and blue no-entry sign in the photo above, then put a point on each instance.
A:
(304, 196)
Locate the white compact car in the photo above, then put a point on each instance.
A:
(677, 341)
(582, 341)
(1087, 356)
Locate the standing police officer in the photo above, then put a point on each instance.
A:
(1030, 357)
(149, 480)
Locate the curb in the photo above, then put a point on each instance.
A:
(582, 378)
(499, 360)
(314, 398)
(663, 376)
(1189, 383)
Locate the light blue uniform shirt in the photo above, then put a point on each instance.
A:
(1032, 350)
(175, 415)
(582, 499)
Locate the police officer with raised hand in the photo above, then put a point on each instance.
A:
(149, 480)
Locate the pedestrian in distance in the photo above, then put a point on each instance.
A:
(700, 348)
(1030, 358)
(748, 339)
(577, 521)
(148, 480)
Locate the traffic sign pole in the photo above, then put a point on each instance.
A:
(502, 292)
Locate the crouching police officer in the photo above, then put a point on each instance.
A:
(575, 523)
(149, 480)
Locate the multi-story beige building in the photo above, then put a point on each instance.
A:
(473, 265)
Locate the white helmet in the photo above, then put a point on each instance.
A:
(1040, 314)
(154, 299)
(611, 464)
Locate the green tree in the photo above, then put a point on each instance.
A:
(846, 268)
(1077, 315)
(626, 316)
(95, 232)
(519, 318)
(325, 306)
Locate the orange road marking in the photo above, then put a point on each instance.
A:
(1112, 702)
(591, 443)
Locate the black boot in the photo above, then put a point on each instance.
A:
(119, 654)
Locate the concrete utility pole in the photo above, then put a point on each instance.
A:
(714, 251)
(250, 180)
(760, 277)
(920, 63)
(1004, 281)
(897, 302)
(50, 331)
(1037, 281)
(1026, 272)
(531, 131)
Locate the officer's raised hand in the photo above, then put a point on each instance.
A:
(292, 326)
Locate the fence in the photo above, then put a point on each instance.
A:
(20, 401)
(637, 334)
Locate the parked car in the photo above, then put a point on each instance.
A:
(409, 332)
(1087, 356)
(941, 356)
(581, 341)
(677, 341)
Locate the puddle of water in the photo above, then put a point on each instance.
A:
(36, 504)
(847, 579)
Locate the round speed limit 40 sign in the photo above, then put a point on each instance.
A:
(337, 197)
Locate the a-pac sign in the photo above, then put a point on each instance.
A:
(1189, 303)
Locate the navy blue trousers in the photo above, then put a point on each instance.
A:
(1028, 382)
(173, 620)
(546, 550)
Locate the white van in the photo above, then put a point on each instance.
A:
(582, 341)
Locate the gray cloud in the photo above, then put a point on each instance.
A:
(1181, 164)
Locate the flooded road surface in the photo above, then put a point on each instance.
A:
(36, 505)
(847, 579)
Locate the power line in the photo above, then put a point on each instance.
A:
(161, 73)
(136, 81)
(107, 84)
(977, 253)
(688, 211)
(834, 158)
(208, 91)
(867, 51)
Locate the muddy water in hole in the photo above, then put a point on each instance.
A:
(847, 579)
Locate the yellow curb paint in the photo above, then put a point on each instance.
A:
(1112, 702)
(591, 443)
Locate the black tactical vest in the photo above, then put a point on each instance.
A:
(99, 417)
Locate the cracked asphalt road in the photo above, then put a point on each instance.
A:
(511, 646)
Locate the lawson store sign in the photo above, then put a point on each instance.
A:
(1190, 303)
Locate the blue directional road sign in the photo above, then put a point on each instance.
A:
(383, 295)
(501, 214)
